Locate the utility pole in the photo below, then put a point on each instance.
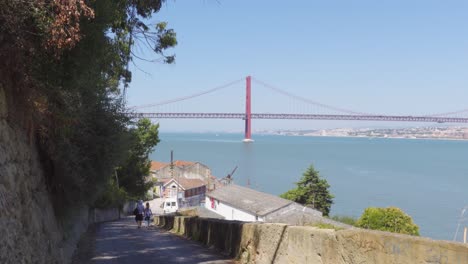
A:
(172, 169)
(116, 178)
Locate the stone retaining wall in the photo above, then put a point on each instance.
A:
(29, 229)
(280, 243)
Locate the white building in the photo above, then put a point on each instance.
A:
(235, 202)
(191, 191)
(161, 172)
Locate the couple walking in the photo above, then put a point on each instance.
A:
(142, 211)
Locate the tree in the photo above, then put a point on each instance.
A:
(390, 219)
(64, 64)
(133, 172)
(311, 190)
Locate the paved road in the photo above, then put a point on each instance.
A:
(122, 242)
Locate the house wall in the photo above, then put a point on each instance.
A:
(229, 212)
(194, 200)
(165, 172)
(196, 171)
(195, 191)
(194, 196)
(171, 190)
(191, 197)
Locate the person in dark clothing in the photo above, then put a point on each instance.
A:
(139, 210)
(148, 215)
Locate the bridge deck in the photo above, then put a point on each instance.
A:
(429, 119)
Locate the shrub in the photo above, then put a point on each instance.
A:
(327, 226)
(390, 219)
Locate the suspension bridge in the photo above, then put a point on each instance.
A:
(247, 116)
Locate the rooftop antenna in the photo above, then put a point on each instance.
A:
(172, 164)
(172, 175)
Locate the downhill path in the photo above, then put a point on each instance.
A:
(121, 242)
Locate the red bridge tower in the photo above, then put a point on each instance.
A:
(248, 111)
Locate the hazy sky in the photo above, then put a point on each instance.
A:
(391, 57)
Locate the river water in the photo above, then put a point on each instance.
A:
(428, 179)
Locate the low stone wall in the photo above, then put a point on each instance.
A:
(223, 235)
(97, 215)
(280, 243)
(127, 208)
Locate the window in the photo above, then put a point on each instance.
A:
(168, 204)
(173, 203)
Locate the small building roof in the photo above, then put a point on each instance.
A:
(182, 163)
(249, 200)
(156, 165)
(200, 212)
(187, 184)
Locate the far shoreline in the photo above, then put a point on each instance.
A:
(335, 136)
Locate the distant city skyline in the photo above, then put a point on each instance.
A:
(393, 57)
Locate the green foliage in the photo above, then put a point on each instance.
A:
(327, 226)
(345, 219)
(63, 76)
(311, 190)
(112, 197)
(390, 219)
(134, 171)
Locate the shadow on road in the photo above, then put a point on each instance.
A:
(122, 242)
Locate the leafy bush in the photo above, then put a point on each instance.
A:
(390, 219)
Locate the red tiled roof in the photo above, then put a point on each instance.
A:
(188, 184)
(181, 163)
(156, 165)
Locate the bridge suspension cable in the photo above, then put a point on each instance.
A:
(343, 110)
(308, 101)
(449, 113)
(188, 97)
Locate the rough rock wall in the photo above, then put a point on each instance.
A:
(29, 231)
(364, 246)
(278, 243)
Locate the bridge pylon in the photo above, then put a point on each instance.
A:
(248, 110)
